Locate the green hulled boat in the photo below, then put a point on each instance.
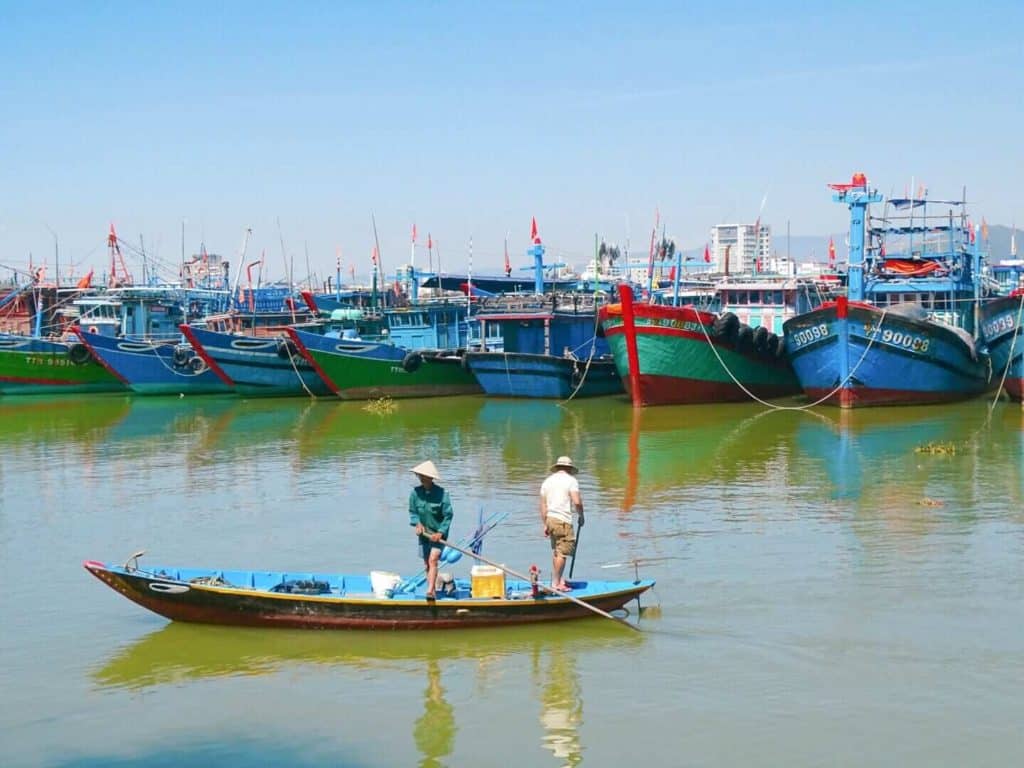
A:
(31, 366)
(354, 369)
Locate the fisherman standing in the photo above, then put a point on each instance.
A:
(559, 498)
(430, 513)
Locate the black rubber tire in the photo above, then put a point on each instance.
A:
(197, 364)
(79, 354)
(744, 339)
(182, 356)
(412, 361)
(726, 326)
(761, 339)
(286, 349)
(771, 348)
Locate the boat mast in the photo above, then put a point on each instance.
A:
(856, 196)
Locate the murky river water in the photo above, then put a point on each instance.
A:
(827, 593)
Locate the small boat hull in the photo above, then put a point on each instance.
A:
(515, 374)
(851, 354)
(244, 598)
(1001, 321)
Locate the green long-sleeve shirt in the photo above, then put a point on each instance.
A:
(432, 509)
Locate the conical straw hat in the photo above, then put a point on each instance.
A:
(427, 468)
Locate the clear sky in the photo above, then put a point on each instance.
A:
(470, 117)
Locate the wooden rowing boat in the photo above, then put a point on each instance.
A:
(341, 601)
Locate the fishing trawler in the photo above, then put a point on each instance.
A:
(905, 332)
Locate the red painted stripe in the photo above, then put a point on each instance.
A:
(629, 328)
(204, 356)
(859, 397)
(678, 390)
(78, 331)
(842, 308)
(309, 359)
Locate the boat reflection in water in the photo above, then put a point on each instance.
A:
(479, 665)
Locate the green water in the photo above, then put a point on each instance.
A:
(827, 595)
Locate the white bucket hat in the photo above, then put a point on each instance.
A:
(564, 462)
(427, 469)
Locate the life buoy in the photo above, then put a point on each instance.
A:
(744, 339)
(726, 326)
(412, 361)
(286, 349)
(197, 364)
(93, 329)
(79, 354)
(181, 356)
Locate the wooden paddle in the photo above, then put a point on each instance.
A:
(547, 589)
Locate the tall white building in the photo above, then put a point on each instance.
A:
(743, 245)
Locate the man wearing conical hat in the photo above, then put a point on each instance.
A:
(559, 498)
(430, 514)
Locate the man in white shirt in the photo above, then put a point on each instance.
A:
(559, 498)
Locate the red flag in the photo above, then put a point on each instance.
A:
(373, 256)
(86, 281)
(508, 266)
(881, 251)
(707, 254)
(352, 271)
(831, 253)
(414, 232)
(970, 231)
(534, 237)
(672, 274)
(430, 243)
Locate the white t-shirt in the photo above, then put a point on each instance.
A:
(555, 490)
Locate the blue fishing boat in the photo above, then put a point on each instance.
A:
(905, 332)
(256, 365)
(354, 601)
(553, 354)
(165, 367)
(1001, 322)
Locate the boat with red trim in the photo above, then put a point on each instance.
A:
(906, 332)
(687, 354)
(348, 601)
(1001, 322)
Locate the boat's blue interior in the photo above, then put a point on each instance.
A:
(345, 585)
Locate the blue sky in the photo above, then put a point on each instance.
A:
(469, 118)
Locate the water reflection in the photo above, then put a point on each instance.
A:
(182, 652)
(869, 457)
(561, 700)
(434, 730)
(46, 420)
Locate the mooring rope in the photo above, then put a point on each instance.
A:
(804, 407)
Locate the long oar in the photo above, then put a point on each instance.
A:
(550, 590)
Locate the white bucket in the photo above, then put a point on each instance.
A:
(383, 582)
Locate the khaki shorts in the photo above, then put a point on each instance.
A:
(563, 539)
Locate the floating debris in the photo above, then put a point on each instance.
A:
(382, 406)
(926, 502)
(937, 449)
